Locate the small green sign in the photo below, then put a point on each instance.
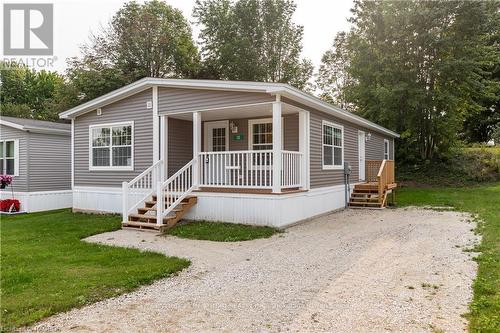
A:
(238, 137)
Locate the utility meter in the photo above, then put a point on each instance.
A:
(347, 168)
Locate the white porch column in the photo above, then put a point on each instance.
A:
(277, 145)
(164, 146)
(196, 147)
(304, 148)
(156, 126)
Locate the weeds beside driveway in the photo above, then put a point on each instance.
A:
(46, 268)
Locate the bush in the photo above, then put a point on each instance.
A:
(464, 166)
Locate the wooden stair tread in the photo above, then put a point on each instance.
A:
(141, 224)
(355, 203)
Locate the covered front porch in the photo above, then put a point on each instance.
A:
(259, 148)
(235, 149)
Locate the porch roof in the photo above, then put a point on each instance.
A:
(281, 89)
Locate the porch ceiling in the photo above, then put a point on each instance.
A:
(247, 111)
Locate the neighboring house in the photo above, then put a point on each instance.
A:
(38, 156)
(211, 146)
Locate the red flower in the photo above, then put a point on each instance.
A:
(7, 203)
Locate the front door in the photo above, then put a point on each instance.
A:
(216, 139)
(361, 155)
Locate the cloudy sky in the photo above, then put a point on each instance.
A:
(75, 19)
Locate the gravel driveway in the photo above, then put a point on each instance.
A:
(400, 270)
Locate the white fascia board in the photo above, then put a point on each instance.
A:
(265, 87)
(11, 124)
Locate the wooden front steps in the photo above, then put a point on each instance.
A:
(367, 196)
(145, 218)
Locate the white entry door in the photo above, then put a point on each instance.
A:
(216, 139)
(361, 155)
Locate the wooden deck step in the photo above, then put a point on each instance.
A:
(141, 225)
(364, 204)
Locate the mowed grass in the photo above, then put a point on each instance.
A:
(221, 232)
(484, 201)
(46, 268)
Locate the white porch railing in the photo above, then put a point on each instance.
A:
(291, 169)
(172, 191)
(135, 192)
(248, 169)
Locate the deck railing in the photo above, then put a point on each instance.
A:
(249, 169)
(385, 176)
(372, 170)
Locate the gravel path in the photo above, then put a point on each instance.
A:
(401, 270)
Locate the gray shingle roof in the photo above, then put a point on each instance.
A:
(41, 124)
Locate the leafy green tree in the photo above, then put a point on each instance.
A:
(416, 67)
(142, 40)
(333, 77)
(252, 40)
(27, 93)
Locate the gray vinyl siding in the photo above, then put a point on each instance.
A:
(171, 100)
(49, 162)
(374, 148)
(290, 135)
(44, 161)
(180, 144)
(19, 183)
(132, 108)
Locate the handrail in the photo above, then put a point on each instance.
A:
(385, 176)
(173, 190)
(140, 188)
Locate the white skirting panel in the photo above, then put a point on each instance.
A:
(41, 201)
(97, 199)
(270, 210)
(256, 209)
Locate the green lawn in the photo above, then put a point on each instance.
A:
(221, 232)
(485, 202)
(46, 268)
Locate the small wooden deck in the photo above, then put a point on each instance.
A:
(380, 183)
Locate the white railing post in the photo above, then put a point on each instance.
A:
(277, 145)
(159, 203)
(124, 201)
(303, 147)
(196, 148)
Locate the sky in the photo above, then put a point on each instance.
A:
(74, 20)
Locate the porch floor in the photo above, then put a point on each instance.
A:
(248, 190)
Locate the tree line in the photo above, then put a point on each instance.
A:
(426, 69)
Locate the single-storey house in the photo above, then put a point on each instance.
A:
(158, 150)
(37, 154)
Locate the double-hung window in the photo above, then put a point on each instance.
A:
(111, 147)
(333, 146)
(9, 155)
(386, 149)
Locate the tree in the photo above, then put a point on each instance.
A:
(142, 40)
(30, 94)
(416, 67)
(251, 40)
(333, 77)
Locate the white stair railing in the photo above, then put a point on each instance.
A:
(135, 192)
(172, 191)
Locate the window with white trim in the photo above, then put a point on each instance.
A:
(333, 146)
(261, 134)
(386, 149)
(111, 146)
(8, 157)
